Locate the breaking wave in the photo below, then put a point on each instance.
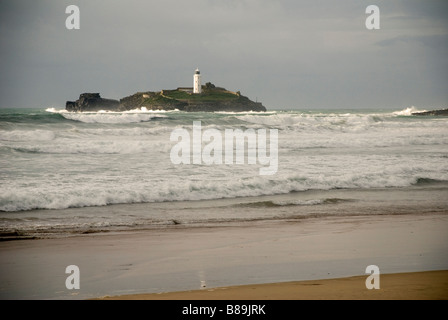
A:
(289, 203)
(58, 159)
(27, 135)
(111, 117)
(407, 111)
(108, 190)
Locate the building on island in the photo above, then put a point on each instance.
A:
(185, 89)
(197, 82)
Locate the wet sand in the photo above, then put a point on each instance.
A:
(256, 253)
(429, 285)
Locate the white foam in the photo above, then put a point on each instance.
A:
(27, 135)
(246, 112)
(146, 110)
(137, 110)
(314, 122)
(299, 202)
(109, 117)
(92, 147)
(136, 132)
(143, 182)
(407, 111)
(54, 110)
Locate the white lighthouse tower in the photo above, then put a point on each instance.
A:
(197, 82)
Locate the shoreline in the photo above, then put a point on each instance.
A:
(424, 285)
(187, 259)
(424, 198)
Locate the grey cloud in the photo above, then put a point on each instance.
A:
(301, 54)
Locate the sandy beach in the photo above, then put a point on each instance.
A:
(429, 285)
(274, 255)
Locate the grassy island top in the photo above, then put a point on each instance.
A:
(208, 94)
(211, 98)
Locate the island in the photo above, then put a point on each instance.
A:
(210, 99)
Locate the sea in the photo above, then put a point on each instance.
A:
(68, 174)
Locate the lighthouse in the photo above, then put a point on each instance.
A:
(197, 82)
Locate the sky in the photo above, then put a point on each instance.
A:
(292, 54)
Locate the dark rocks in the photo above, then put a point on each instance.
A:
(92, 102)
(442, 112)
(238, 105)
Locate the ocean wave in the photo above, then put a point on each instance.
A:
(407, 111)
(289, 203)
(108, 117)
(55, 163)
(112, 117)
(246, 112)
(315, 122)
(136, 132)
(91, 147)
(69, 195)
(27, 135)
(54, 110)
(137, 110)
(384, 127)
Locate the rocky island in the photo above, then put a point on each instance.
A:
(211, 99)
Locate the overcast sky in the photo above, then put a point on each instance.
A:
(301, 54)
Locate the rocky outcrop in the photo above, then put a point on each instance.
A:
(443, 112)
(92, 102)
(242, 104)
